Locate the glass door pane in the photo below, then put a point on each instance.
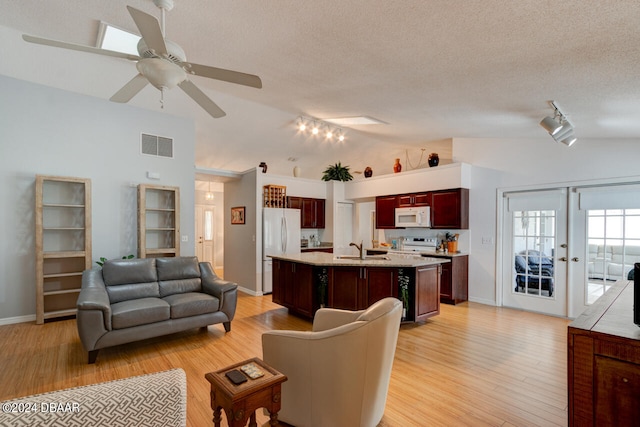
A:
(533, 244)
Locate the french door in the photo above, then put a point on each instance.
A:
(563, 248)
(535, 251)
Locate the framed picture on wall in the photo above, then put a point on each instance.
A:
(237, 215)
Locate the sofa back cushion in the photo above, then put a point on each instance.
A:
(128, 279)
(178, 275)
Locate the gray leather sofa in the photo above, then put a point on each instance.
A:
(133, 299)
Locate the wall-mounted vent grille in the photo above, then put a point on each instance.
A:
(155, 145)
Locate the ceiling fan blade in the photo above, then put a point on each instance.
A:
(130, 90)
(202, 99)
(79, 47)
(149, 29)
(224, 75)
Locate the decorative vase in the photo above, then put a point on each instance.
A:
(296, 171)
(397, 167)
(433, 159)
(368, 172)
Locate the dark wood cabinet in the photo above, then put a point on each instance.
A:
(450, 209)
(386, 211)
(312, 211)
(454, 282)
(414, 200)
(356, 288)
(427, 292)
(604, 362)
(297, 286)
(293, 287)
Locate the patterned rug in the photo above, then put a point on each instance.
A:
(158, 399)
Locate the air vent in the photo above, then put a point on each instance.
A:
(155, 145)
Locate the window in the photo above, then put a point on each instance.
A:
(613, 247)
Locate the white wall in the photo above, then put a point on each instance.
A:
(54, 132)
(501, 164)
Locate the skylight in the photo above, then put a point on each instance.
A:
(112, 38)
(358, 120)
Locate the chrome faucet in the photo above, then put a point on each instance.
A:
(360, 248)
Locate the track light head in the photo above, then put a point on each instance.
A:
(558, 126)
(551, 125)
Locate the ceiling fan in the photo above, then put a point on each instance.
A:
(161, 62)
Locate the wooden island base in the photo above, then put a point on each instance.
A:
(305, 282)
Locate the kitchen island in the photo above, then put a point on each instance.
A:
(307, 281)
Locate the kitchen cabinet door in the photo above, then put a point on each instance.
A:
(312, 213)
(427, 292)
(345, 288)
(386, 211)
(454, 282)
(450, 209)
(414, 200)
(294, 202)
(293, 286)
(381, 283)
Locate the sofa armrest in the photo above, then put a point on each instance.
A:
(224, 290)
(94, 309)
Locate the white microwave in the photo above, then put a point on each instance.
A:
(413, 217)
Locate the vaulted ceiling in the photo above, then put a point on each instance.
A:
(431, 69)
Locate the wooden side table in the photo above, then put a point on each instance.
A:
(241, 401)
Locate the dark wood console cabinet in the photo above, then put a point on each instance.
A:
(604, 362)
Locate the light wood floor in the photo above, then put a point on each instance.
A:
(472, 365)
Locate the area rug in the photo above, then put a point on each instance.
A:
(158, 399)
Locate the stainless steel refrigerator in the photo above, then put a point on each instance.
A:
(280, 235)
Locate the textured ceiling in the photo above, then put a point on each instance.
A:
(432, 70)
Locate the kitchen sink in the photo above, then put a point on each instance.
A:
(368, 257)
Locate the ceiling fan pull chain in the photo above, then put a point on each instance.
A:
(162, 98)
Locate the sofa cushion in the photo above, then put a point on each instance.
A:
(177, 268)
(127, 279)
(171, 287)
(132, 291)
(136, 312)
(191, 304)
(125, 271)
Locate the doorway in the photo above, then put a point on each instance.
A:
(562, 248)
(534, 248)
(205, 233)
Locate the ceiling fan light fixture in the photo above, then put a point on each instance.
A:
(161, 73)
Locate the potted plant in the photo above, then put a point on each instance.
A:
(337, 172)
(103, 259)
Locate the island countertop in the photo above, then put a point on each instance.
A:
(332, 260)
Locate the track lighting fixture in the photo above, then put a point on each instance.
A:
(318, 127)
(559, 127)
